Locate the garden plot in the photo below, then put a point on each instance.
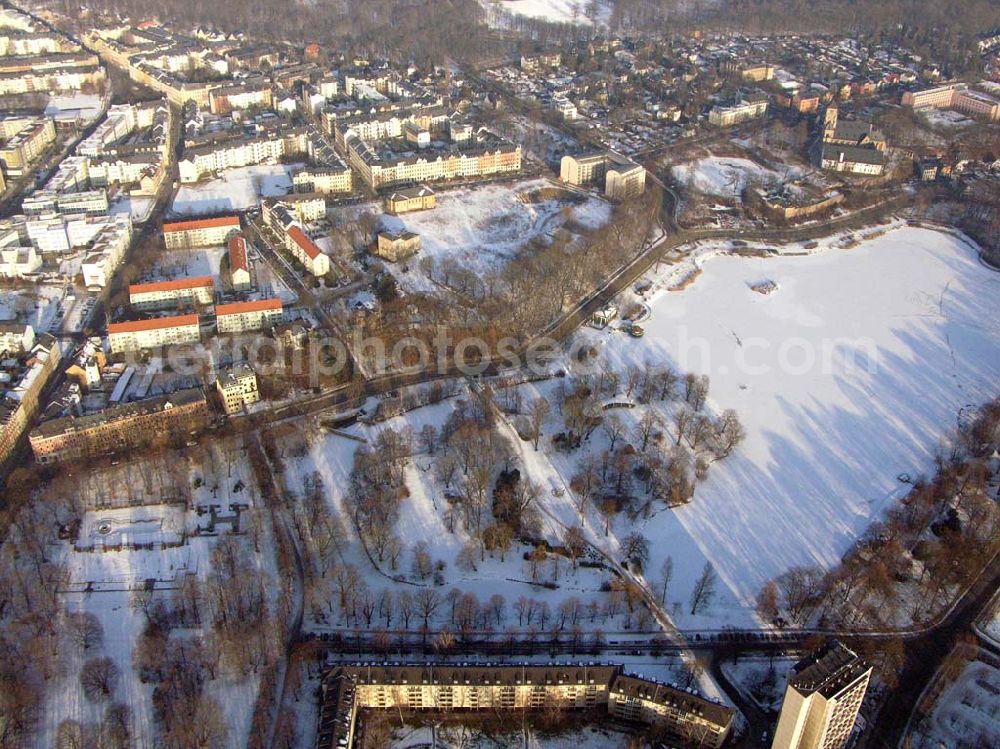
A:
(187, 263)
(726, 177)
(234, 190)
(827, 436)
(481, 228)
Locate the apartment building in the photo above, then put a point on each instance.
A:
(173, 417)
(752, 108)
(620, 177)
(83, 203)
(16, 338)
(490, 156)
(394, 246)
(107, 251)
(18, 262)
(227, 99)
(346, 689)
(206, 232)
(21, 403)
(51, 80)
(26, 146)
(304, 206)
(957, 96)
(406, 199)
(241, 317)
(294, 238)
(324, 180)
(822, 699)
(228, 153)
(237, 388)
(180, 292)
(239, 263)
(148, 334)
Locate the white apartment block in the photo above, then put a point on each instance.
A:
(241, 317)
(323, 180)
(106, 253)
(17, 262)
(296, 241)
(206, 232)
(822, 700)
(148, 334)
(16, 338)
(620, 177)
(742, 112)
(957, 96)
(237, 388)
(181, 292)
(231, 154)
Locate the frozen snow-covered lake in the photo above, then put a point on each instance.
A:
(826, 441)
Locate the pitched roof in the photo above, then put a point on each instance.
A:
(256, 306)
(202, 223)
(238, 253)
(158, 323)
(177, 284)
(307, 245)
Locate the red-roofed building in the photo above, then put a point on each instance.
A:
(162, 331)
(167, 294)
(306, 251)
(243, 316)
(204, 232)
(239, 263)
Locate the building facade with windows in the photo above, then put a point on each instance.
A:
(205, 232)
(147, 334)
(181, 292)
(240, 317)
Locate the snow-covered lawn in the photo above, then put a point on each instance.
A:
(760, 678)
(726, 177)
(454, 735)
(557, 11)
(483, 227)
(138, 208)
(966, 712)
(826, 439)
(234, 190)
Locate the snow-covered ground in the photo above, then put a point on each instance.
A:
(557, 11)
(826, 439)
(458, 735)
(726, 177)
(483, 227)
(138, 208)
(234, 190)
(965, 715)
(760, 678)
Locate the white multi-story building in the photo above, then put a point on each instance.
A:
(324, 180)
(750, 109)
(206, 232)
(147, 334)
(295, 239)
(237, 388)
(822, 700)
(180, 292)
(16, 338)
(106, 253)
(240, 317)
(17, 262)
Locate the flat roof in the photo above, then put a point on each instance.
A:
(138, 326)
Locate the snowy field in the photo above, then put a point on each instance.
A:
(482, 228)
(557, 11)
(234, 190)
(101, 583)
(726, 177)
(137, 208)
(826, 440)
(965, 715)
(461, 736)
